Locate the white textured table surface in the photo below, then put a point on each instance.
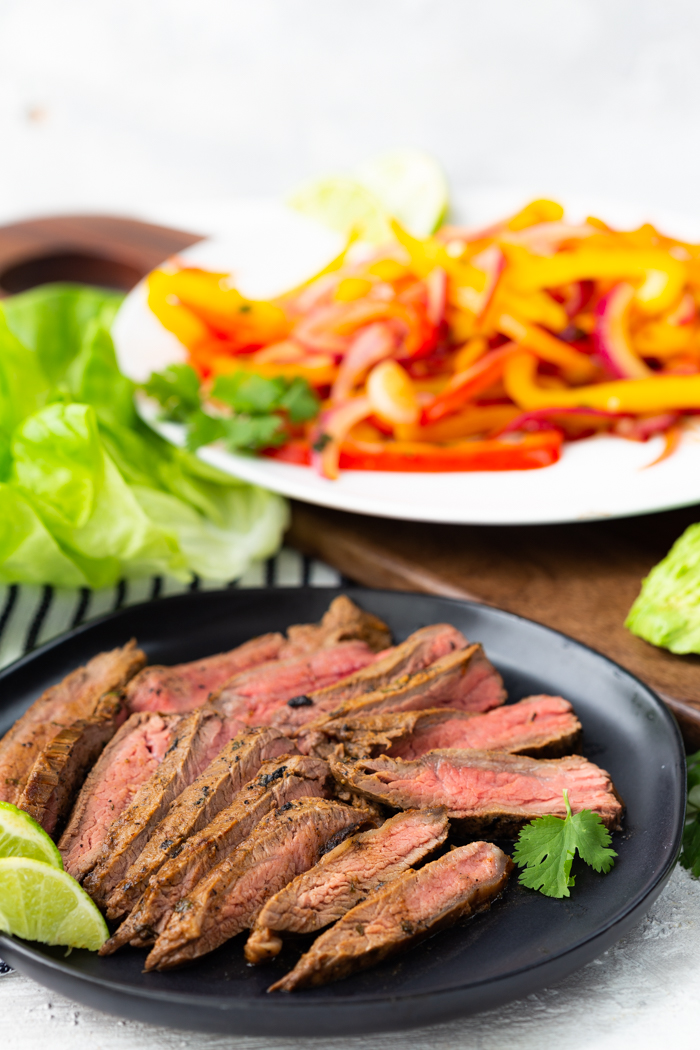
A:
(642, 993)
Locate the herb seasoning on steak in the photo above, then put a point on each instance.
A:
(411, 908)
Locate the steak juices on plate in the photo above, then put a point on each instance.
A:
(254, 789)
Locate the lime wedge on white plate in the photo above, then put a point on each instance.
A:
(344, 205)
(21, 836)
(410, 186)
(40, 903)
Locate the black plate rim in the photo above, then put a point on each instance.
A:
(242, 1005)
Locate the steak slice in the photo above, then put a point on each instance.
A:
(343, 622)
(59, 771)
(201, 734)
(77, 696)
(346, 876)
(411, 908)
(185, 686)
(212, 791)
(420, 650)
(252, 697)
(539, 726)
(486, 792)
(129, 759)
(286, 842)
(278, 782)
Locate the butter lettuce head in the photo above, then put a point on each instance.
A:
(88, 493)
(667, 611)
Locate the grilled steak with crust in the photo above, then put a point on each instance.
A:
(413, 907)
(344, 877)
(278, 782)
(286, 842)
(539, 726)
(420, 650)
(196, 806)
(200, 737)
(343, 622)
(129, 759)
(59, 771)
(77, 696)
(490, 793)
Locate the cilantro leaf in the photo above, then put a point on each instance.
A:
(203, 429)
(300, 401)
(547, 846)
(253, 432)
(690, 852)
(249, 392)
(176, 390)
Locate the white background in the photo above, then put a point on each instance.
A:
(126, 105)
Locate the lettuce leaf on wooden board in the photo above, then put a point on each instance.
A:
(667, 610)
(88, 493)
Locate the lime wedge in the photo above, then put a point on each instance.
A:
(21, 836)
(344, 205)
(410, 186)
(41, 903)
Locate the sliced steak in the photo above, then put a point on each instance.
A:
(540, 726)
(200, 737)
(420, 650)
(212, 791)
(286, 842)
(343, 622)
(75, 697)
(486, 792)
(253, 697)
(279, 781)
(413, 907)
(130, 758)
(59, 771)
(185, 686)
(346, 876)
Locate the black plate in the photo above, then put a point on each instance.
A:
(525, 942)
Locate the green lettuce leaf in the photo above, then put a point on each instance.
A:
(667, 610)
(89, 493)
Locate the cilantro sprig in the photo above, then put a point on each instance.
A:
(690, 852)
(255, 409)
(546, 848)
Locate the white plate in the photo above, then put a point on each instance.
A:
(269, 248)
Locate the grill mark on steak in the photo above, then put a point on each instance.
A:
(539, 726)
(420, 650)
(253, 697)
(343, 622)
(344, 877)
(486, 792)
(416, 905)
(201, 735)
(279, 781)
(76, 697)
(185, 686)
(196, 806)
(285, 843)
(62, 766)
(127, 761)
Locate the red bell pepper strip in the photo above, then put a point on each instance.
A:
(531, 452)
(466, 385)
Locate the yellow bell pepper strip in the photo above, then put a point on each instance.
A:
(575, 365)
(474, 419)
(178, 319)
(464, 386)
(470, 353)
(371, 345)
(661, 276)
(428, 253)
(392, 394)
(530, 452)
(331, 428)
(245, 322)
(611, 334)
(661, 340)
(536, 212)
(660, 393)
(534, 308)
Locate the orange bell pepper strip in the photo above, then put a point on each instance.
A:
(661, 277)
(660, 393)
(245, 321)
(464, 386)
(531, 452)
(474, 419)
(576, 366)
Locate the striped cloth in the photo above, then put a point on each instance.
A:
(30, 616)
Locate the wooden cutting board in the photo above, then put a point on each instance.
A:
(580, 578)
